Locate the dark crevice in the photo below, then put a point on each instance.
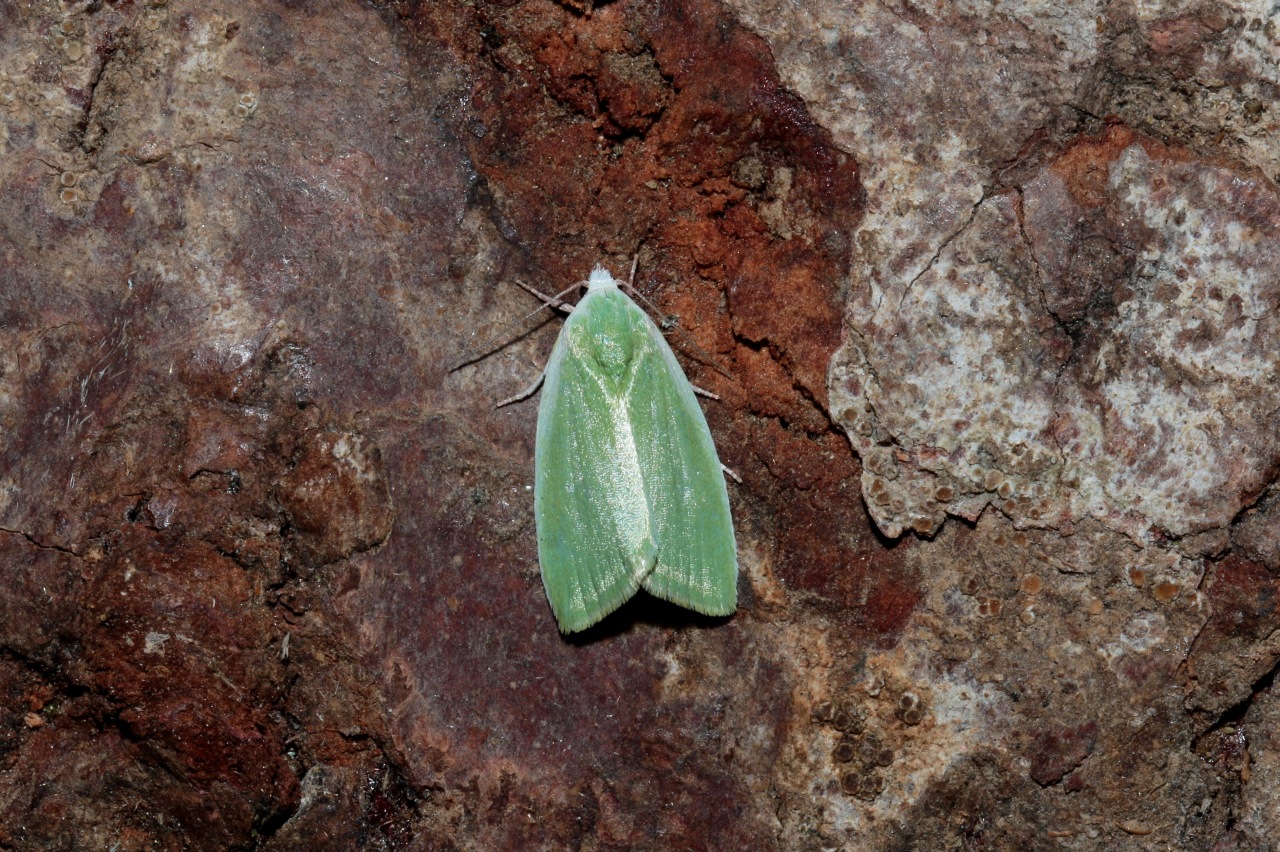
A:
(81, 128)
(283, 604)
(266, 826)
(126, 731)
(814, 403)
(584, 9)
(49, 671)
(1263, 495)
(1020, 212)
(355, 736)
(1236, 713)
(946, 242)
(764, 346)
(135, 511)
(40, 544)
(748, 343)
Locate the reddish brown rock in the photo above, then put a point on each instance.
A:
(335, 497)
(1059, 751)
(1236, 650)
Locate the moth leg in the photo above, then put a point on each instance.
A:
(526, 393)
(728, 471)
(703, 392)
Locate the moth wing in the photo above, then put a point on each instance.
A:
(697, 563)
(586, 570)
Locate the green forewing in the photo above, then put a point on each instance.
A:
(628, 490)
(697, 557)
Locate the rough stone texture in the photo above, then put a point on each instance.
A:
(185, 364)
(1062, 318)
(988, 292)
(1097, 342)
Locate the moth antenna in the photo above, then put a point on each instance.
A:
(703, 355)
(482, 351)
(556, 301)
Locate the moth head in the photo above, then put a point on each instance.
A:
(600, 278)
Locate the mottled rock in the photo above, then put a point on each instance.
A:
(1093, 346)
(335, 497)
(1256, 533)
(1060, 750)
(987, 293)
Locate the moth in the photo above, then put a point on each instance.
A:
(628, 490)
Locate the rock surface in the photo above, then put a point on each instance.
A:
(988, 292)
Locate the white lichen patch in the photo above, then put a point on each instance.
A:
(880, 80)
(945, 377)
(952, 358)
(957, 715)
(351, 450)
(961, 715)
(1180, 434)
(153, 642)
(997, 380)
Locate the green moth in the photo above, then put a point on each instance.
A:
(628, 490)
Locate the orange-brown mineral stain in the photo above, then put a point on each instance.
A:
(1165, 591)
